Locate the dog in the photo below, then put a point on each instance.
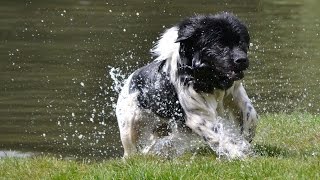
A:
(192, 87)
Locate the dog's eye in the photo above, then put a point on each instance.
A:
(205, 52)
(208, 54)
(244, 46)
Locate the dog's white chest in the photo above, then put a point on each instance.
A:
(219, 96)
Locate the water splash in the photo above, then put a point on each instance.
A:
(89, 129)
(118, 78)
(230, 144)
(173, 145)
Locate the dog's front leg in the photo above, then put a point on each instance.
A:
(218, 136)
(202, 118)
(249, 114)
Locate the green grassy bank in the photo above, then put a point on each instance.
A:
(287, 147)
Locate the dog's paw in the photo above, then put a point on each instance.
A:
(249, 125)
(249, 134)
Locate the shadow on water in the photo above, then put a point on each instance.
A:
(270, 151)
(267, 150)
(258, 150)
(264, 150)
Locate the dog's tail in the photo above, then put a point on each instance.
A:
(166, 45)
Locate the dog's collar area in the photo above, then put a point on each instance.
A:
(185, 70)
(185, 75)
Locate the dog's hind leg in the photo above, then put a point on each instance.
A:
(127, 112)
(139, 129)
(128, 132)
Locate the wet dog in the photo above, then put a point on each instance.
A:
(192, 87)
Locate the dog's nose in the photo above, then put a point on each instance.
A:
(241, 61)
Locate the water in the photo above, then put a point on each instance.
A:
(56, 93)
(229, 144)
(16, 154)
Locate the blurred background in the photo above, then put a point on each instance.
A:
(62, 61)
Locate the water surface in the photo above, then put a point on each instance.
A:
(56, 93)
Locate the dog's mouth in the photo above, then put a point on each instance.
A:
(235, 75)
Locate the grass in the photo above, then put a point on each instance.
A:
(287, 147)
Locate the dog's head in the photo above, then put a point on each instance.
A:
(213, 51)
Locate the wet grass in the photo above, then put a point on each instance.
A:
(286, 146)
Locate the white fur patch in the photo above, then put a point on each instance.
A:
(166, 46)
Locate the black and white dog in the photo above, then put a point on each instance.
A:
(191, 87)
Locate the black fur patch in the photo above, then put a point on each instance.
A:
(156, 92)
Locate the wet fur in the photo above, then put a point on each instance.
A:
(190, 86)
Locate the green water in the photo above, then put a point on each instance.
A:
(56, 93)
